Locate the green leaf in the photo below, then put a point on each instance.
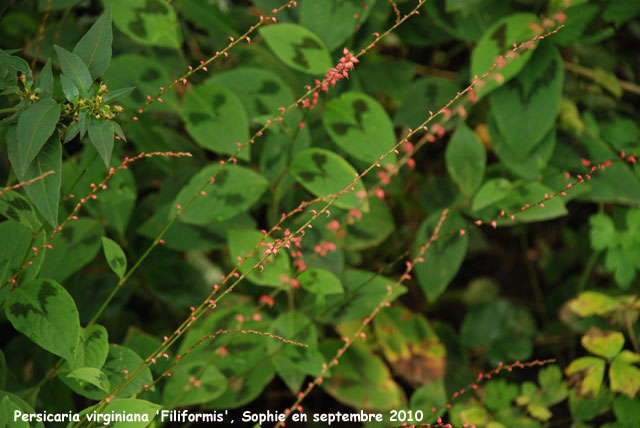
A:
(603, 231)
(370, 230)
(424, 94)
(500, 394)
(44, 311)
(146, 410)
(116, 258)
(241, 241)
(35, 126)
(225, 198)
(297, 47)
(293, 363)
(360, 126)
(529, 166)
(193, 381)
(626, 410)
(94, 48)
(361, 379)
(410, 345)
(504, 329)
(593, 303)
(525, 109)
(96, 346)
(444, 258)
(45, 193)
(147, 74)
(589, 372)
(9, 403)
(466, 159)
(363, 292)
(101, 136)
(117, 94)
(75, 246)
(322, 172)
(148, 22)
(605, 344)
(75, 69)
(45, 81)
(527, 194)
(122, 358)
(490, 192)
(551, 381)
(15, 238)
(498, 40)
(262, 93)
(16, 207)
(248, 372)
(92, 376)
(332, 24)
(216, 119)
(70, 90)
(624, 376)
(320, 282)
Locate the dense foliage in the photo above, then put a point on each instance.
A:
(321, 205)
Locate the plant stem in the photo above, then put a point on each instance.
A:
(8, 110)
(586, 72)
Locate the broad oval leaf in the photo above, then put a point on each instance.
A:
(193, 381)
(75, 69)
(95, 340)
(360, 126)
(410, 345)
(293, 363)
(241, 241)
(361, 379)
(45, 193)
(525, 109)
(15, 207)
(320, 282)
(216, 119)
(262, 93)
(91, 376)
(523, 165)
(116, 258)
(370, 230)
(498, 40)
(528, 194)
(225, 198)
(297, 47)
(490, 192)
(35, 126)
(147, 74)
(363, 292)
(75, 246)
(333, 24)
(444, 258)
(427, 93)
(322, 172)
(94, 48)
(149, 22)
(44, 311)
(466, 159)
